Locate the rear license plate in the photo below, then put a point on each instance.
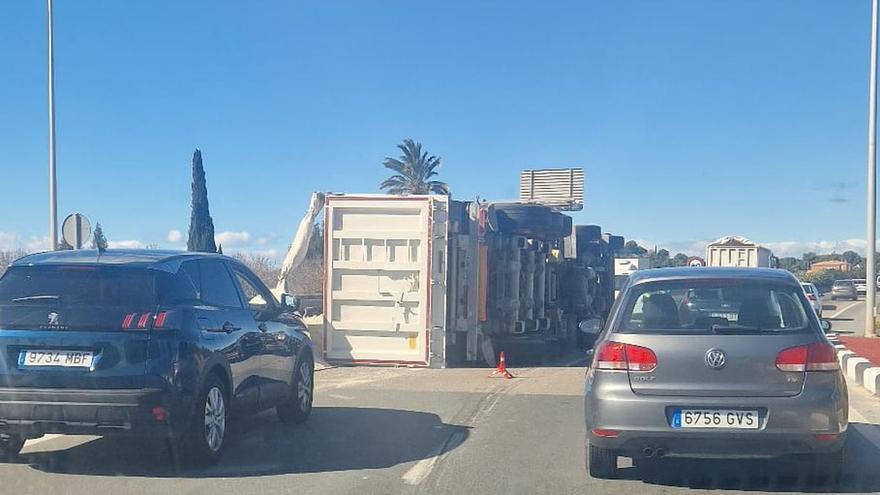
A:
(60, 359)
(715, 418)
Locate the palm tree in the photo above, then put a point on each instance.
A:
(413, 172)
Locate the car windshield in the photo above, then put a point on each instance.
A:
(742, 306)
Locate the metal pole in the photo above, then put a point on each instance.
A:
(53, 190)
(870, 296)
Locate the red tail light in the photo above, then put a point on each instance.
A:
(160, 319)
(619, 356)
(126, 322)
(820, 356)
(144, 320)
(811, 297)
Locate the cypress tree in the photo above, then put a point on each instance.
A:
(201, 226)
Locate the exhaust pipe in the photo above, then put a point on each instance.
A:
(648, 452)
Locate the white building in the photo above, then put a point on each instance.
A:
(734, 250)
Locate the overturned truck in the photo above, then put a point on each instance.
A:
(429, 281)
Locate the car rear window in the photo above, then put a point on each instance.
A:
(75, 297)
(742, 306)
(843, 283)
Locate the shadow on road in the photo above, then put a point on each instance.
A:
(782, 475)
(334, 439)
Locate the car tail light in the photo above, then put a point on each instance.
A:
(159, 322)
(604, 433)
(144, 320)
(618, 356)
(811, 297)
(127, 321)
(820, 356)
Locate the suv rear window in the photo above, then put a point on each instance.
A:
(740, 306)
(80, 297)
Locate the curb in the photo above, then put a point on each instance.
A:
(857, 368)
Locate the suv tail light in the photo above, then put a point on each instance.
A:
(162, 320)
(618, 356)
(820, 356)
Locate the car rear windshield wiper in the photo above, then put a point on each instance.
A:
(716, 328)
(46, 297)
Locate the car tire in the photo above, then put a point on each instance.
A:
(10, 447)
(203, 443)
(299, 406)
(601, 463)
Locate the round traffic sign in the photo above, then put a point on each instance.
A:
(76, 230)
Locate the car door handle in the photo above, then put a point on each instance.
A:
(228, 327)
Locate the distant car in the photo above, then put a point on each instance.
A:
(844, 289)
(812, 294)
(765, 383)
(861, 285)
(145, 343)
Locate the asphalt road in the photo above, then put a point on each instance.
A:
(846, 317)
(408, 431)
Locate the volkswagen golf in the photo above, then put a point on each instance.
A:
(145, 343)
(756, 380)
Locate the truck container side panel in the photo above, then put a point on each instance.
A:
(378, 279)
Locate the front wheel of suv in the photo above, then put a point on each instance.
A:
(298, 407)
(10, 446)
(601, 463)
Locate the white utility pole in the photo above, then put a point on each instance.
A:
(53, 189)
(871, 294)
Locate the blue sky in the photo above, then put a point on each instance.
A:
(692, 119)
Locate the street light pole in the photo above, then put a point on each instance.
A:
(53, 190)
(871, 281)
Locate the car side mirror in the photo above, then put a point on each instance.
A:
(826, 325)
(289, 303)
(591, 326)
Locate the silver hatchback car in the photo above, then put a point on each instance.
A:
(754, 377)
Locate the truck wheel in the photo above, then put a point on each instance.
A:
(601, 463)
(10, 446)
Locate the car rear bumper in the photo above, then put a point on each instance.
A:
(787, 425)
(715, 445)
(33, 412)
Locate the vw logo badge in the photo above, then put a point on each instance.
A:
(715, 359)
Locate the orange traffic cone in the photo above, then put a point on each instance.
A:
(501, 369)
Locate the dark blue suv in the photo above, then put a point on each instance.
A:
(145, 342)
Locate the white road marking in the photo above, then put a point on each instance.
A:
(844, 310)
(423, 468)
(340, 397)
(44, 438)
